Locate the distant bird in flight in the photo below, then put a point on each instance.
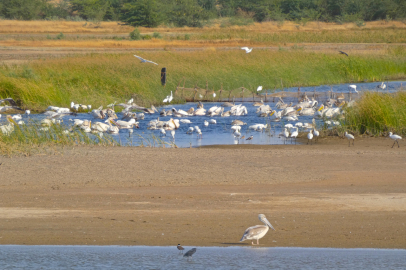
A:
(341, 52)
(144, 60)
(247, 50)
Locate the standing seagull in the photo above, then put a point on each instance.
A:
(341, 52)
(349, 137)
(180, 248)
(247, 50)
(258, 231)
(190, 253)
(395, 138)
(144, 60)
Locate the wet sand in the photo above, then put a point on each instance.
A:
(322, 195)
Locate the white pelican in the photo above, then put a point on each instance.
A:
(237, 122)
(258, 231)
(349, 137)
(206, 123)
(212, 121)
(310, 136)
(17, 117)
(144, 60)
(247, 50)
(395, 138)
(185, 121)
(237, 134)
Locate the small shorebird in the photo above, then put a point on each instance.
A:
(250, 138)
(190, 253)
(395, 138)
(180, 248)
(349, 137)
(258, 231)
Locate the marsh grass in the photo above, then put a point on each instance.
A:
(33, 138)
(153, 141)
(377, 114)
(100, 79)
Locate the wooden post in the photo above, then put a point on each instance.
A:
(314, 93)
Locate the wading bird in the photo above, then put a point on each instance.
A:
(258, 231)
(353, 86)
(309, 136)
(180, 248)
(247, 50)
(382, 86)
(259, 88)
(349, 137)
(395, 138)
(190, 253)
(144, 60)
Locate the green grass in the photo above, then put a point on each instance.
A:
(100, 79)
(30, 139)
(377, 114)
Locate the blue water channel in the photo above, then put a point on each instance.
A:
(142, 257)
(220, 133)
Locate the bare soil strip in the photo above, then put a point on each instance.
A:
(323, 195)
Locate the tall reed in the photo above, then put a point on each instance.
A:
(33, 138)
(378, 113)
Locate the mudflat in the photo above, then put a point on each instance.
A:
(322, 195)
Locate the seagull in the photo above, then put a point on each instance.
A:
(349, 137)
(258, 231)
(341, 52)
(247, 50)
(190, 253)
(395, 138)
(180, 248)
(144, 60)
(353, 86)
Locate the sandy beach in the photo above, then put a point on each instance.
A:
(322, 195)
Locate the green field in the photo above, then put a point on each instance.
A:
(100, 79)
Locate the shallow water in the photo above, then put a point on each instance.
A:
(220, 133)
(141, 257)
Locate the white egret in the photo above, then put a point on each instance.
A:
(190, 130)
(212, 121)
(309, 136)
(395, 138)
(316, 134)
(247, 50)
(294, 134)
(353, 86)
(382, 86)
(162, 131)
(258, 231)
(349, 137)
(259, 88)
(173, 134)
(144, 60)
(206, 123)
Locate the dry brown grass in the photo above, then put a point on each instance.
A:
(67, 27)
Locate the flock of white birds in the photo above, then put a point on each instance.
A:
(331, 109)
